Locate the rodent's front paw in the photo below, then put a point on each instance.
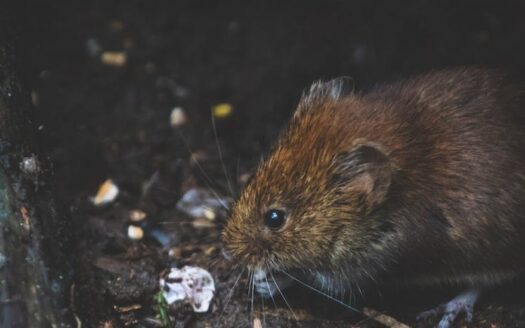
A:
(452, 309)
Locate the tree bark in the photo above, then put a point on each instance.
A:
(35, 271)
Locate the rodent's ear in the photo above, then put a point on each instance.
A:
(365, 172)
(322, 91)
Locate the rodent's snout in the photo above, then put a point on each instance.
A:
(244, 246)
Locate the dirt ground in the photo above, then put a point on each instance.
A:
(112, 121)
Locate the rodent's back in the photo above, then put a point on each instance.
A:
(459, 139)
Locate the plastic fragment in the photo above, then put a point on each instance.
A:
(191, 284)
(29, 165)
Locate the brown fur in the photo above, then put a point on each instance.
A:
(423, 179)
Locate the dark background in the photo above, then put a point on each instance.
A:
(100, 122)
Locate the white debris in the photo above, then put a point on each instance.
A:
(114, 58)
(135, 233)
(200, 203)
(29, 165)
(107, 193)
(192, 284)
(177, 117)
(209, 214)
(137, 215)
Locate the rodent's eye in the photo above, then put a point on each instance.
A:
(274, 218)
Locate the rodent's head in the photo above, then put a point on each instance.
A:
(310, 203)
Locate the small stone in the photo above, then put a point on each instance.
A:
(107, 193)
(177, 117)
(137, 215)
(209, 214)
(135, 233)
(114, 58)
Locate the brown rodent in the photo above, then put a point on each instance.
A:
(421, 181)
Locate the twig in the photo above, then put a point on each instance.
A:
(383, 319)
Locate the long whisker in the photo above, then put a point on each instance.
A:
(230, 294)
(238, 172)
(252, 287)
(360, 290)
(271, 295)
(207, 179)
(262, 310)
(250, 273)
(282, 295)
(220, 155)
(321, 292)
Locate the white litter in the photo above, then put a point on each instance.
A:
(29, 165)
(191, 284)
(200, 203)
(137, 215)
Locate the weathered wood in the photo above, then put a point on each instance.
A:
(35, 273)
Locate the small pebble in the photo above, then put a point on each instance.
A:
(209, 214)
(137, 215)
(177, 117)
(107, 193)
(114, 58)
(135, 233)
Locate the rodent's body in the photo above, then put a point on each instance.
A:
(421, 181)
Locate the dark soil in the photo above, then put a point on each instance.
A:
(101, 122)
